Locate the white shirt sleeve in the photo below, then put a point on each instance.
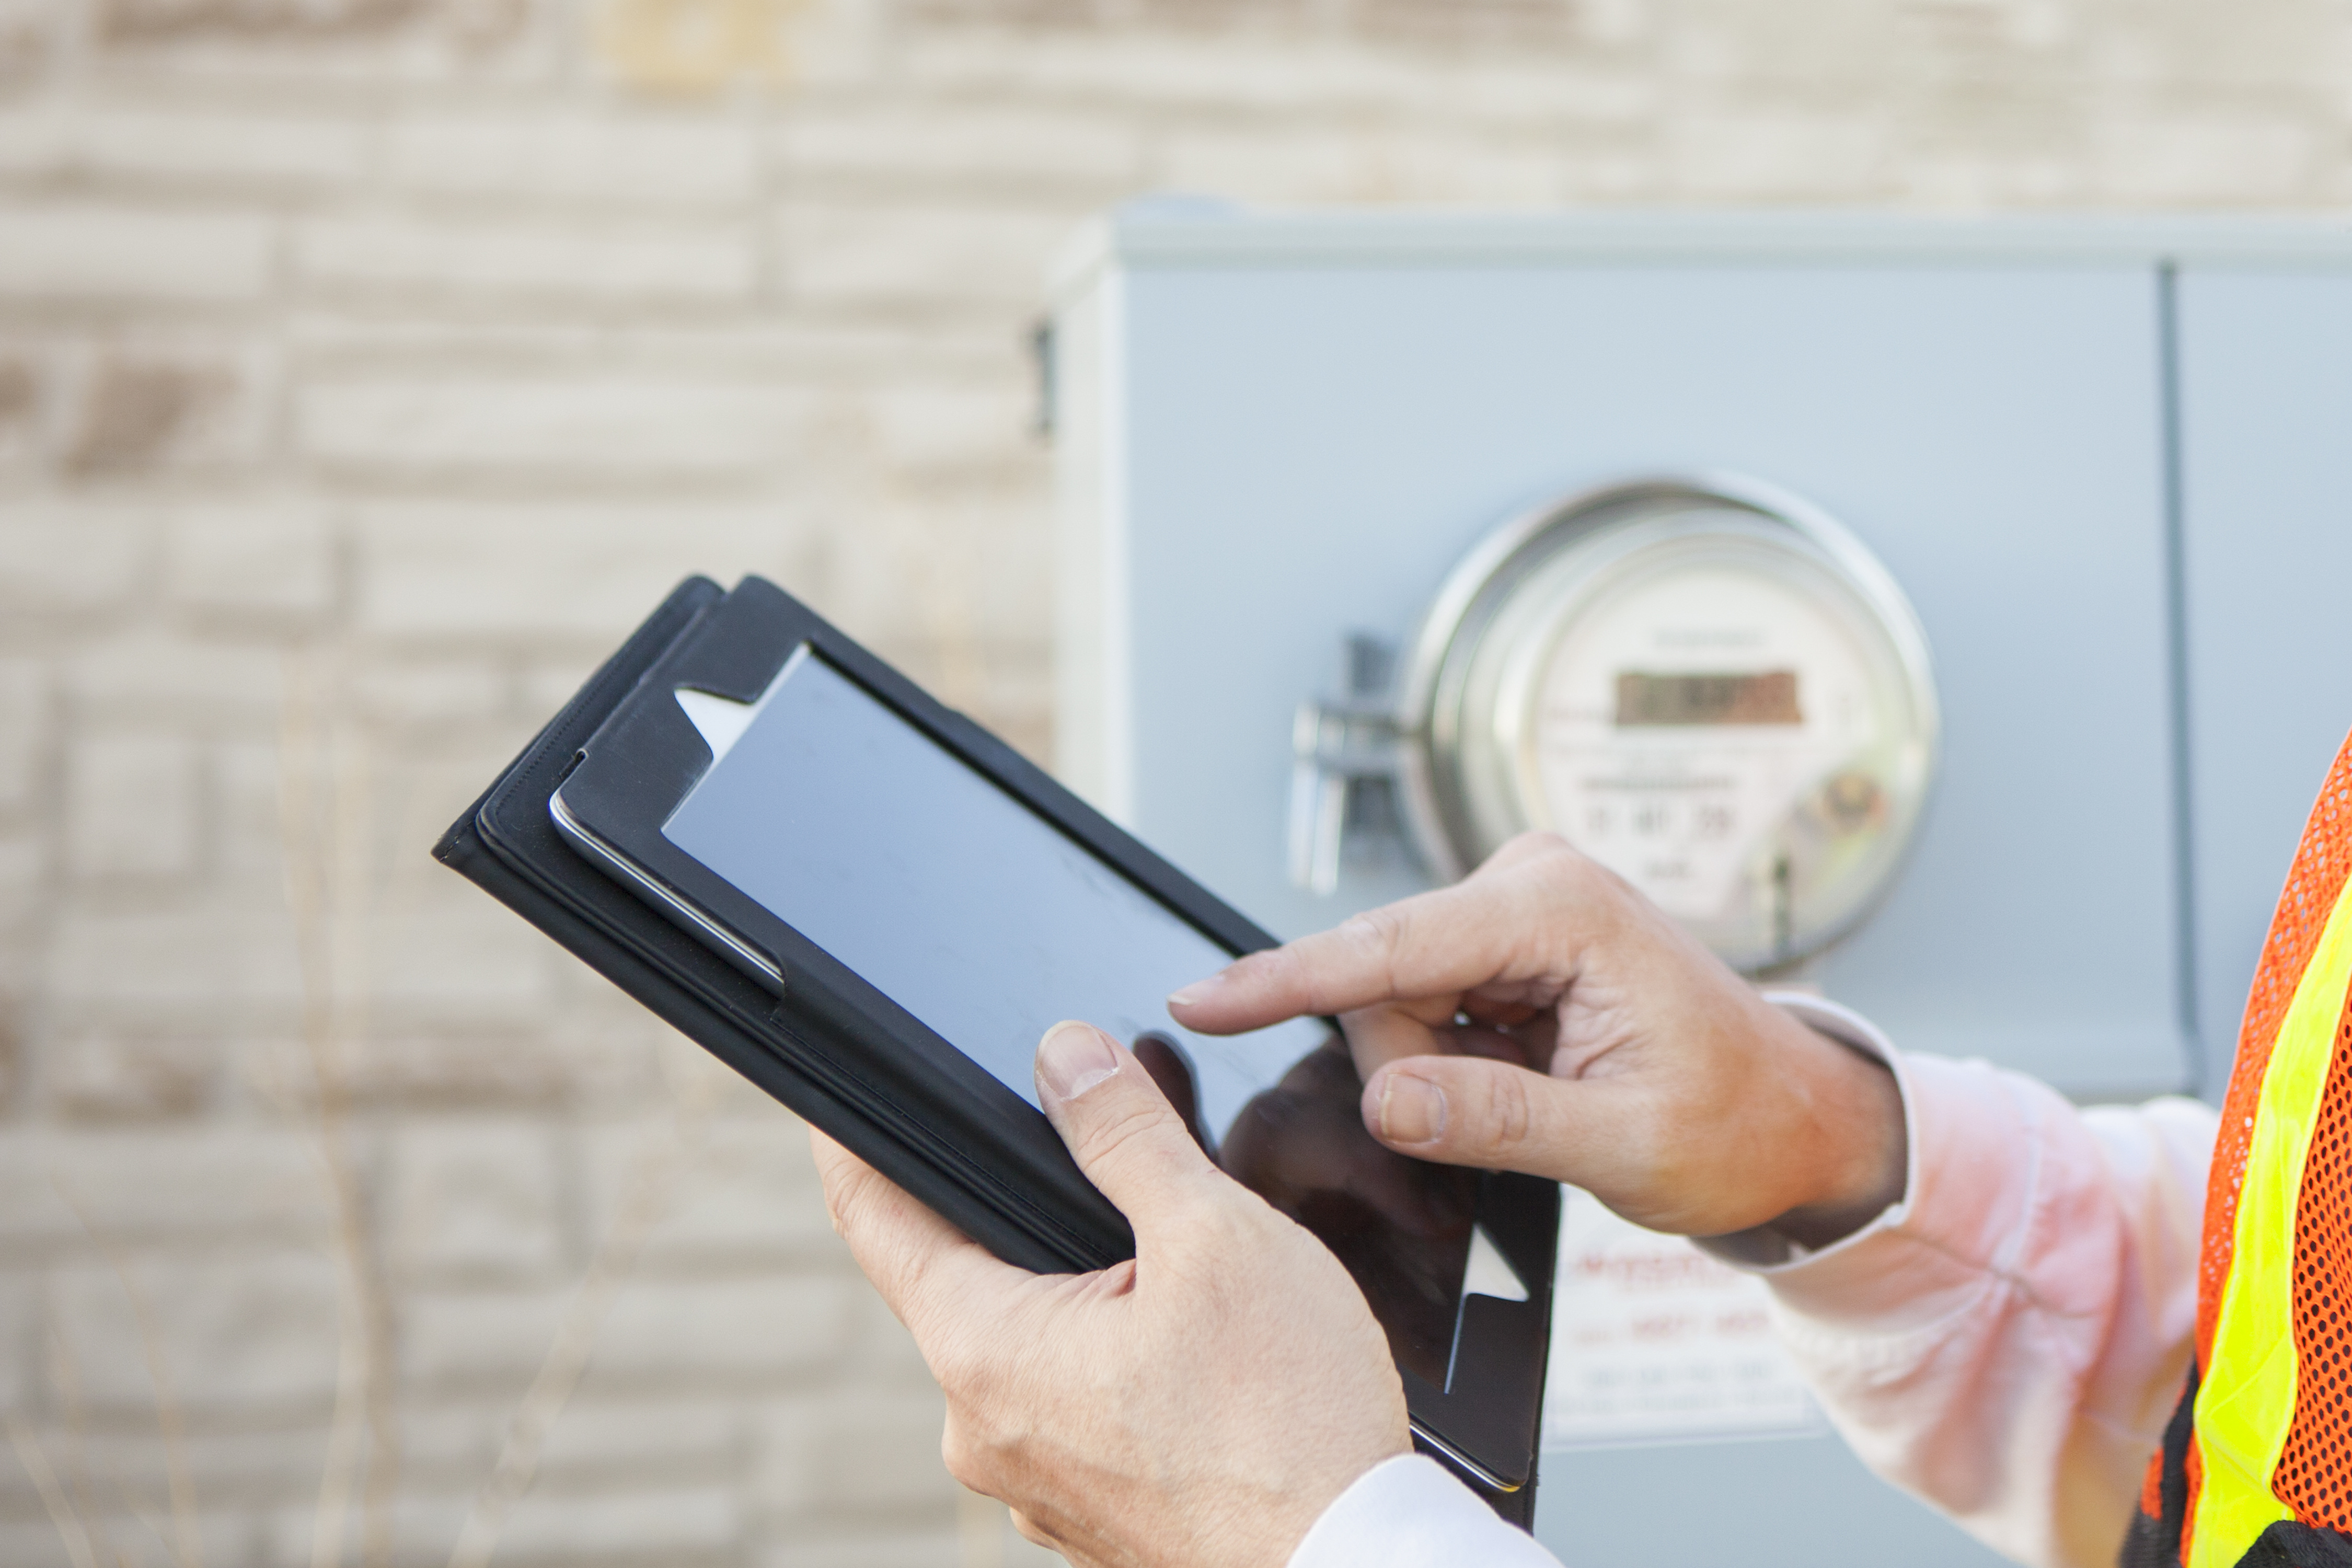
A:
(2009, 1340)
(1409, 1513)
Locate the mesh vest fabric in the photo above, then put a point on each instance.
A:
(2256, 1465)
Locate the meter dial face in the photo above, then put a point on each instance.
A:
(1729, 709)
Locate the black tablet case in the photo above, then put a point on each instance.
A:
(507, 843)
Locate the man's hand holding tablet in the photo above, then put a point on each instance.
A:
(1205, 1403)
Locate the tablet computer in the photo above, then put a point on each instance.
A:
(915, 904)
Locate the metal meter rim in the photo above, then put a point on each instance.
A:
(1473, 593)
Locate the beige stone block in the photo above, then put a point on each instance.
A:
(264, 559)
(539, 262)
(163, 679)
(664, 1525)
(862, 1544)
(161, 962)
(543, 686)
(223, 1464)
(133, 806)
(452, 1443)
(1832, 52)
(590, 572)
(253, 1334)
(845, 256)
(1775, 155)
(249, 824)
(92, 251)
(461, 955)
(600, 426)
(1314, 159)
(166, 407)
(214, 147)
(59, 560)
(888, 1357)
(861, 144)
(1169, 69)
(599, 1443)
(24, 730)
(19, 1307)
(33, 1217)
(423, 1526)
(148, 1538)
(204, 1183)
(321, 48)
(657, 159)
(475, 1199)
(869, 1452)
(956, 579)
(132, 1076)
(435, 693)
(727, 1331)
(429, 1064)
(2205, 159)
(743, 1193)
(479, 1341)
(24, 893)
(34, 1543)
(27, 379)
(939, 425)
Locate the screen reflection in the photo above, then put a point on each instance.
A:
(1402, 1227)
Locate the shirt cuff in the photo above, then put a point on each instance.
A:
(1407, 1512)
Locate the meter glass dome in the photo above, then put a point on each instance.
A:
(1711, 689)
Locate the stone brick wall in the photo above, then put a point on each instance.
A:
(368, 366)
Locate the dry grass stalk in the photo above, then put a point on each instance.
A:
(186, 1541)
(62, 1512)
(324, 814)
(655, 1169)
(66, 1373)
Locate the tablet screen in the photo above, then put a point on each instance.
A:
(988, 924)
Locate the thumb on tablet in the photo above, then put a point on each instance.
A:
(1126, 1137)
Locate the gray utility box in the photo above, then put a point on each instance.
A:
(2109, 461)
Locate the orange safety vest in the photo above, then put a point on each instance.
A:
(2256, 1467)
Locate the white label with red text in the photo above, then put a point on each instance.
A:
(1654, 1341)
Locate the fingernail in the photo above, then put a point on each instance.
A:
(1073, 1059)
(1413, 1109)
(1199, 991)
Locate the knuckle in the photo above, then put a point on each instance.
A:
(1381, 934)
(1505, 1117)
(958, 1452)
(1544, 842)
(1133, 1120)
(977, 1464)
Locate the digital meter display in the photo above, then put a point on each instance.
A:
(1726, 703)
(1644, 697)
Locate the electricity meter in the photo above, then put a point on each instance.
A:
(1708, 686)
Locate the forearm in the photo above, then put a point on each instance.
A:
(2007, 1340)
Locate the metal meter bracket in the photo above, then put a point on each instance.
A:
(1347, 757)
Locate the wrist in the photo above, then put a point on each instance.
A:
(1854, 1116)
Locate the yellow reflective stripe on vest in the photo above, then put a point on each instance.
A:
(2246, 1403)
